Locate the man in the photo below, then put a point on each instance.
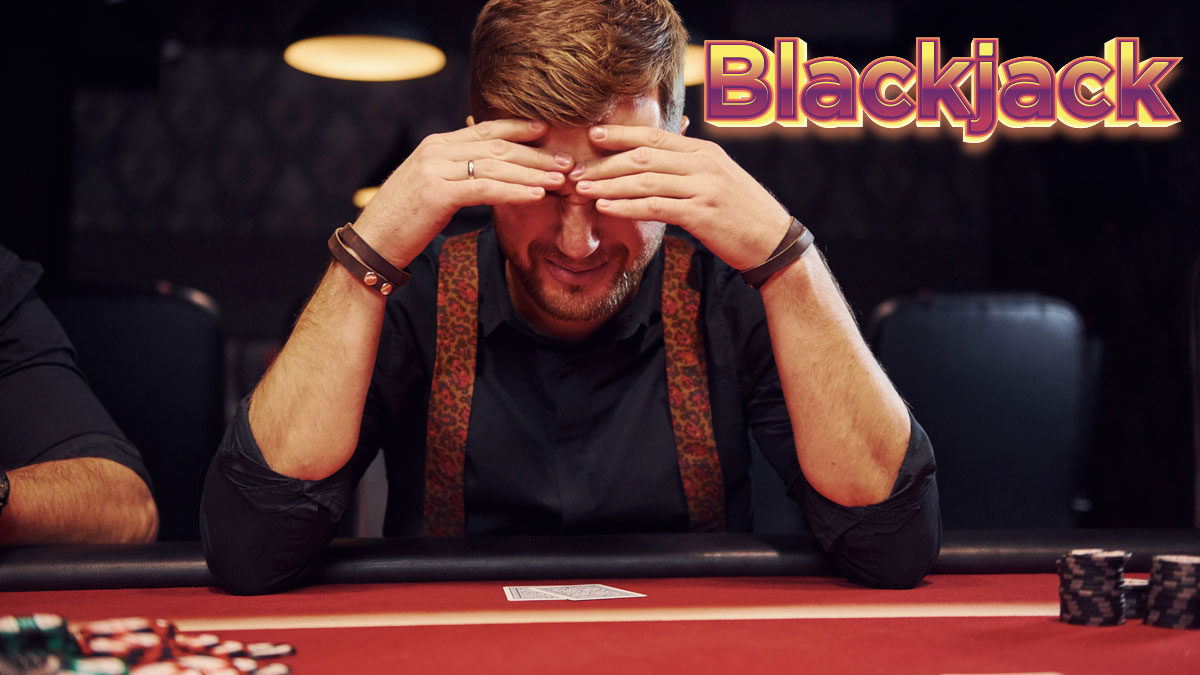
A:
(565, 371)
(67, 473)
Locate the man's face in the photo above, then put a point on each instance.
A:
(565, 261)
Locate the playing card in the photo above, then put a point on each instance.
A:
(522, 593)
(588, 592)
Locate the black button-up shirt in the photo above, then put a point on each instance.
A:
(47, 410)
(564, 438)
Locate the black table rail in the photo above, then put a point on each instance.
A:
(174, 564)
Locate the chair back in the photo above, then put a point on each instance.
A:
(1000, 383)
(155, 359)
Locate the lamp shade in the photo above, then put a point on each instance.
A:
(364, 40)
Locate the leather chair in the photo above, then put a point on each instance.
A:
(155, 359)
(1001, 384)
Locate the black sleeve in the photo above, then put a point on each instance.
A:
(891, 544)
(262, 530)
(49, 412)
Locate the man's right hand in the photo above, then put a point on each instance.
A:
(423, 194)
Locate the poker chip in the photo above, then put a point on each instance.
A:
(1137, 593)
(268, 650)
(37, 634)
(229, 649)
(1173, 599)
(101, 665)
(44, 644)
(1091, 587)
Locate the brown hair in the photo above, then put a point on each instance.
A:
(568, 61)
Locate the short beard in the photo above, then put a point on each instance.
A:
(575, 303)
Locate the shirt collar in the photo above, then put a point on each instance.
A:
(496, 307)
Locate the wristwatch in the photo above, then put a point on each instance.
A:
(3, 490)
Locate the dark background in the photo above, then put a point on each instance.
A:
(168, 140)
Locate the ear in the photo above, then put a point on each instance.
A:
(470, 120)
(683, 125)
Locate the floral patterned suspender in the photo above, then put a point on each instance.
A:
(454, 385)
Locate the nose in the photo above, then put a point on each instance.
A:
(578, 236)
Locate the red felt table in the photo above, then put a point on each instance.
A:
(996, 623)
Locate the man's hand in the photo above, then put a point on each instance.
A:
(423, 194)
(658, 175)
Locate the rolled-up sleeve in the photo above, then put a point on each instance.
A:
(262, 530)
(891, 544)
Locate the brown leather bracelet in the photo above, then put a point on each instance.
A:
(795, 242)
(369, 277)
(370, 258)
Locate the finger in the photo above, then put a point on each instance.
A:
(638, 160)
(639, 185)
(500, 149)
(621, 137)
(521, 131)
(662, 209)
(506, 172)
(483, 191)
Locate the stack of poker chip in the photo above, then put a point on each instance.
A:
(43, 644)
(1174, 598)
(35, 644)
(1090, 588)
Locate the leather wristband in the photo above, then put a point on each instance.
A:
(795, 242)
(376, 262)
(359, 262)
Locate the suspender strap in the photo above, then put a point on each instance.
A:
(453, 386)
(687, 391)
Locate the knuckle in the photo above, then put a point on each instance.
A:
(647, 182)
(657, 136)
(497, 147)
(641, 155)
(425, 149)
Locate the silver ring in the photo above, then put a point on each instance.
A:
(471, 168)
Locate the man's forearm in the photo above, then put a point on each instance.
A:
(83, 500)
(306, 412)
(850, 426)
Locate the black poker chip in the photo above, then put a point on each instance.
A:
(1173, 600)
(1090, 589)
(1137, 592)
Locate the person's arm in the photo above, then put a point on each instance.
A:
(306, 411)
(892, 543)
(290, 458)
(83, 500)
(73, 475)
(851, 427)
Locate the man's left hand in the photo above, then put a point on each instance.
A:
(658, 175)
